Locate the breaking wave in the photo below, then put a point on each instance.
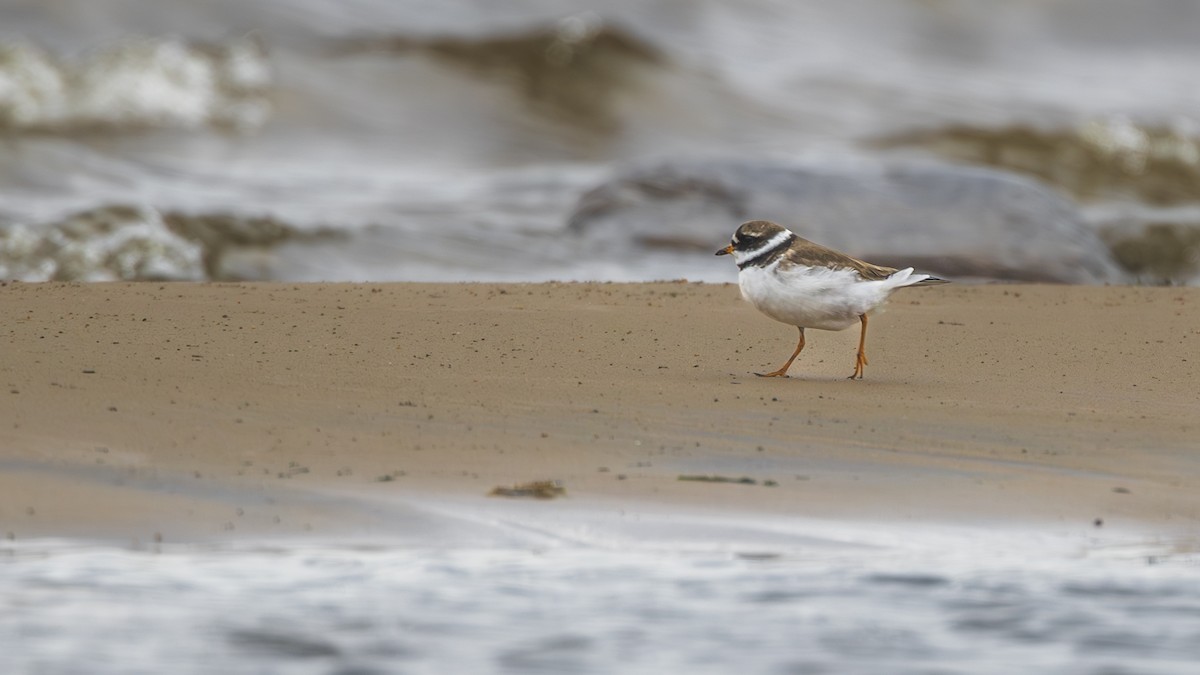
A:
(137, 243)
(140, 83)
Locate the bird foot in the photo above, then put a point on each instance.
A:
(777, 373)
(859, 365)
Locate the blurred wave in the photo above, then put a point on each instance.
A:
(575, 70)
(125, 242)
(143, 83)
(1112, 159)
(460, 140)
(105, 245)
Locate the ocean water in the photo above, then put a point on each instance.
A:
(458, 140)
(311, 608)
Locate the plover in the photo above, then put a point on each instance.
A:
(806, 285)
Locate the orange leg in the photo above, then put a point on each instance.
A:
(862, 354)
(782, 372)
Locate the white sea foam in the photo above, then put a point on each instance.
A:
(571, 608)
(116, 244)
(152, 82)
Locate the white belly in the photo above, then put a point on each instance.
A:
(812, 298)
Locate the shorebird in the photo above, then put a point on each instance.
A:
(806, 285)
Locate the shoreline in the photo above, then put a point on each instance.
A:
(232, 412)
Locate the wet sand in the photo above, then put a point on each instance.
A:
(229, 411)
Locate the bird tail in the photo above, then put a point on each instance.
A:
(906, 277)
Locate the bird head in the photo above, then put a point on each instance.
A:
(751, 237)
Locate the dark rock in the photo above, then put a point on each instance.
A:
(956, 221)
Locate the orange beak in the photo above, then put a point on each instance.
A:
(726, 251)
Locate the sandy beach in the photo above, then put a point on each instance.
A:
(198, 412)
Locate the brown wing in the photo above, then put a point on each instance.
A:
(810, 254)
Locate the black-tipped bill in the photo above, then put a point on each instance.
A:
(725, 251)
